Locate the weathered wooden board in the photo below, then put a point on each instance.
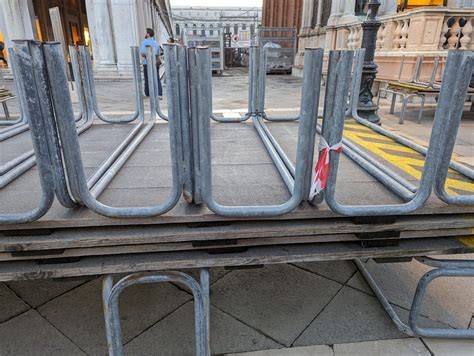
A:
(212, 245)
(16, 241)
(261, 255)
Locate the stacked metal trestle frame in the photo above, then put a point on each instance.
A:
(190, 106)
(54, 131)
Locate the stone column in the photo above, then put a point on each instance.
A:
(347, 9)
(100, 29)
(334, 12)
(307, 15)
(18, 20)
(127, 30)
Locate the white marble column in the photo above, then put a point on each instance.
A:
(347, 10)
(127, 30)
(18, 20)
(334, 12)
(307, 14)
(100, 29)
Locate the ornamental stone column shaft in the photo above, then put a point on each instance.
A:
(101, 33)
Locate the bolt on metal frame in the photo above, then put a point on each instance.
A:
(305, 146)
(442, 268)
(352, 112)
(333, 134)
(70, 145)
(200, 291)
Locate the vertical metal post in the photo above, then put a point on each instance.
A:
(107, 284)
(367, 109)
(183, 89)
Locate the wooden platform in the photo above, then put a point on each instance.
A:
(243, 174)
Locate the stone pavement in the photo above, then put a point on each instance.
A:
(323, 308)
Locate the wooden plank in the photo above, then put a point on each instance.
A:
(172, 233)
(229, 244)
(87, 266)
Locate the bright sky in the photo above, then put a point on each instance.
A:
(240, 3)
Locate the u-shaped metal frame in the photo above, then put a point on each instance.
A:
(305, 146)
(70, 144)
(332, 131)
(29, 64)
(443, 268)
(89, 75)
(110, 298)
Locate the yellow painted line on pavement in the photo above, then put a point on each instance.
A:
(407, 164)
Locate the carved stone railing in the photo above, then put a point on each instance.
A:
(425, 29)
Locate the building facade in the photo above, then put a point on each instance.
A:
(405, 33)
(110, 27)
(201, 20)
(282, 13)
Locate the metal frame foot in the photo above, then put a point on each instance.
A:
(442, 268)
(200, 291)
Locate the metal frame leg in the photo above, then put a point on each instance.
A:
(422, 105)
(404, 108)
(110, 299)
(442, 268)
(5, 110)
(394, 99)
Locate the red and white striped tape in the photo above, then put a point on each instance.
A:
(322, 166)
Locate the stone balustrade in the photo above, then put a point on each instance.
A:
(430, 29)
(427, 31)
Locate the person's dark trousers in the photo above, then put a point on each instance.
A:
(160, 88)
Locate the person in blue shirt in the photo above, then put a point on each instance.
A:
(149, 41)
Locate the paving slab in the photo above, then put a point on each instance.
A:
(449, 347)
(339, 271)
(354, 316)
(405, 347)
(448, 300)
(279, 300)
(10, 304)
(38, 292)
(30, 334)
(318, 350)
(174, 335)
(78, 313)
